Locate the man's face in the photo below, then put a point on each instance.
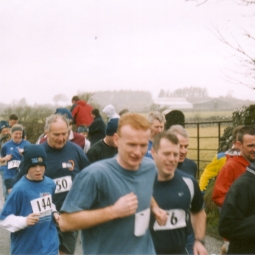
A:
(156, 128)
(110, 141)
(247, 147)
(85, 134)
(12, 122)
(132, 145)
(184, 144)
(35, 173)
(57, 134)
(17, 136)
(166, 159)
(5, 131)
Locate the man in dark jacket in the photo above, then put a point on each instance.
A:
(97, 127)
(237, 218)
(105, 148)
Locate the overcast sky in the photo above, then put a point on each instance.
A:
(51, 47)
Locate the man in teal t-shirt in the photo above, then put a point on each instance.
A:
(114, 208)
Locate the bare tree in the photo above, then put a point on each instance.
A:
(242, 2)
(86, 96)
(246, 60)
(59, 97)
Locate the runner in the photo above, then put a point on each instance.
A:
(157, 121)
(237, 218)
(28, 211)
(12, 151)
(179, 194)
(185, 164)
(64, 160)
(114, 209)
(105, 148)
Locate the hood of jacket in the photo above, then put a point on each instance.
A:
(81, 102)
(233, 152)
(238, 158)
(110, 111)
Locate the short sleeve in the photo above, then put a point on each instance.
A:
(197, 202)
(83, 193)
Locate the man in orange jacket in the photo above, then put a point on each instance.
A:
(235, 165)
(81, 112)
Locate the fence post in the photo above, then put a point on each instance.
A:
(198, 149)
(219, 134)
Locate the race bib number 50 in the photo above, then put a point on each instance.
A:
(175, 219)
(63, 184)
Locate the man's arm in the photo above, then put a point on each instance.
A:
(235, 222)
(123, 207)
(198, 221)
(14, 223)
(6, 158)
(222, 185)
(92, 154)
(211, 171)
(159, 214)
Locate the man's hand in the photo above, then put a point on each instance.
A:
(160, 215)
(32, 219)
(125, 206)
(8, 157)
(199, 248)
(20, 151)
(56, 217)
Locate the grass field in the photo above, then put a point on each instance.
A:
(206, 114)
(202, 150)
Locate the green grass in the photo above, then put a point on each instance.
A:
(206, 114)
(212, 213)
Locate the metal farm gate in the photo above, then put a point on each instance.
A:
(205, 140)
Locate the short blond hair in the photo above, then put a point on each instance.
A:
(135, 120)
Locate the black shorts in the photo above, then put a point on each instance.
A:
(67, 241)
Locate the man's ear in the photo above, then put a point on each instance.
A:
(116, 139)
(238, 145)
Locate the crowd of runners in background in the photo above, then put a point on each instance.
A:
(126, 183)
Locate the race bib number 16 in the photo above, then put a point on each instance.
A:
(176, 218)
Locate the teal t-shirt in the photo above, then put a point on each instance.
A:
(101, 185)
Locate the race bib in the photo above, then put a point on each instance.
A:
(175, 219)
(63, 184)
(42, 205)
(142, 219)
(13, 164)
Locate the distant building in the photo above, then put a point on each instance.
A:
(173, 103)
(213, 104)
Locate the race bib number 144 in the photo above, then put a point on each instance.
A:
(42, 204)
